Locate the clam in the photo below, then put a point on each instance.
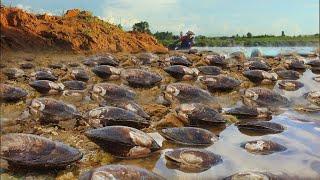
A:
(101, 60)
(80, 75)
(294, 64)
(10, 93)
(111, 92)
(13, 73)
(262, 147)
(43, 75)
(290, 85)
(26, 65)
(127, 105)
(313, 97)
(47, 87)
(57, 66)
(251, 175)
(49, 110)
(210, 70)
(258, 65)
(316, 78)
(257, 76)
(179, 60)
(238, 55)
(35, 152)
(216, 60)
(140, 78)
(186, 93)
(123, 141)
(120, 172)
(196, 114)
(219, 83)
(108, 115)
(107, 72)
(182, 72)
(263, 97)
(74, 85)
(263, 127)
(288, 74)
(249, 112)
(147, 58)
(191, 160)
(189, 136)
(314, 63)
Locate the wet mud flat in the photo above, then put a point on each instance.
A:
(241, 146)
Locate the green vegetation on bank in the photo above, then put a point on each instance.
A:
(170, 40)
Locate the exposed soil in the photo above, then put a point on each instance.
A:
(76, 31)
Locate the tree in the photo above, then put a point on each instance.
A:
(249, 35)
(120, 26)
(142, 26)
(282, 33)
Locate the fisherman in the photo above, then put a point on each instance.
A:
(187, 40)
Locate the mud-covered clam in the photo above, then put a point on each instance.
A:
(219, 83)
(10, 93)
(127, 105)
(197, 114)
(262, 147)
(290, 85)
(47, 87)
(263, 97)
(288, 74)
(101, 60)
(179, 60)
(182, 72)
(27, 65)
(107, 72)
(57, 66)
(123, 141)
(313, 97)
(209, 70)
(35, 152)
(314, 63)
(49, 110)
(249, 112)
(263, 127)
(186, 93)
(80, 75)
(189, 136)
(13, 73)
(257, 76)
(216, 60)
(109, 91)
(140, 78)
(238, 55)
(120, 172)
(109, 115)
(147, 58)
(74, 85)
(43, 75)
(294, 64)
(258, 65)
(191, 160)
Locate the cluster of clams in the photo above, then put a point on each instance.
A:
(118, 123)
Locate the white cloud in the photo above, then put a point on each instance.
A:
(24, 7)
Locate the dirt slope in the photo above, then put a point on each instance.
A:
(74, 31)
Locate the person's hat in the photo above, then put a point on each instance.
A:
(190, 33)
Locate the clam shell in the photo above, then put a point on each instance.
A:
(123, 141)
(191, 160)
(140, 78)
(189, 136)
(31, 151)
(10, 93)
(120, 172)
(264, 127)
(262, 147)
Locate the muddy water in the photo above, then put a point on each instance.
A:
(301, 137)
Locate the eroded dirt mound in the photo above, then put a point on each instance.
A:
(76, 31)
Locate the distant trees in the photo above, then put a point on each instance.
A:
(249, 35)
(142, 26)
(282, 33)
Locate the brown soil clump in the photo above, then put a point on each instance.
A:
(76, 31)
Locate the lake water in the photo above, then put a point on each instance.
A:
(268, 51)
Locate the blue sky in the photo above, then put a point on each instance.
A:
(206, 17)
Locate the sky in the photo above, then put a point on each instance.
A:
(204, 17)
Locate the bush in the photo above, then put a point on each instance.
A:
(142, 26)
